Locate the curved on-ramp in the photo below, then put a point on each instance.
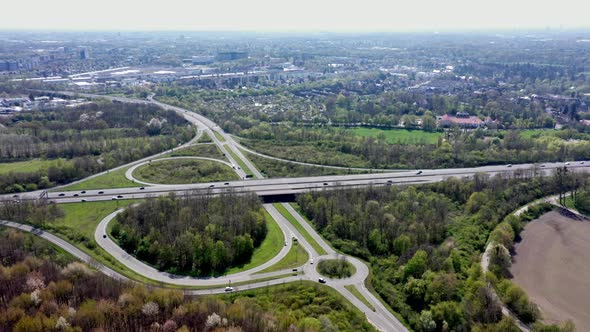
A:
(129, 172)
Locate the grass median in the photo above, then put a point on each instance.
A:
(240, 162)
(316, 246)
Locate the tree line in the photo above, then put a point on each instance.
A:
(423, 243)
(85, 140)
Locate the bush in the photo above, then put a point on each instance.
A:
(335, 268)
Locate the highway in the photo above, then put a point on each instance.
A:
(381, 317)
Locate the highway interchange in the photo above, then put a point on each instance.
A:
(381, 318)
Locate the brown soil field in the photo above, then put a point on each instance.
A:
(552, 264)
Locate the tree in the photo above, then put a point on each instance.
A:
(417, 265)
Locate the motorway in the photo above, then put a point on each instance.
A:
(381, 317)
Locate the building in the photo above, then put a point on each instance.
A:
(202, 60)
(461, 119)
(84, 53)
(229, 56)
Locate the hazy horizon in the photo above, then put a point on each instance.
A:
(301, 16)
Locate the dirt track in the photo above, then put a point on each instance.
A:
(552, 264)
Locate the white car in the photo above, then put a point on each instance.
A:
(229, 289)
(311, 261)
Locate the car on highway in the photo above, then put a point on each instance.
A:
(104, 236)
(543, 165)
(322, 280)
(142, 188)
(229, 289)
(295, 270)
(83, 192)
(119, 196)
(389, 182)
(61, 195)
(509, 165)
(567, 164)
(212, 186)
(114, 198)
(311, 261)
(101, 192)
(14, 196)
(226, 184)
(76, 195)
(83, 200)
(581, 163)
(419, 172)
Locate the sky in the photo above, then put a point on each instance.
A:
(296, 15)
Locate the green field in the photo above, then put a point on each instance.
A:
(400, 136)
(32, 165)
(113, 179)
(297, 256)
(316, 246)
(269, 248)
(358, 295)
(182, 171)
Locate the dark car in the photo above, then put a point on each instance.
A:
(226, 184)
(83, 192)
(419, 172)
(322, 280)
(14, 196)
(104, 236)
(119, 196)
(211, 186)
(325, 183)
(76, 195)
(101, 192)
(61, 195)
(142, 188)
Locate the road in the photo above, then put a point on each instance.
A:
(381, 317)
(281, 186)
(129, 172)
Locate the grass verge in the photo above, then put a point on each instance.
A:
(112, 179)
(269, 248)
(316, 246)
(358, 295)
(296, 257)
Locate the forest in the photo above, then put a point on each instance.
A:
(84, 140)
(424, 242)
(42, 289)
(198, 236)
(340, 147)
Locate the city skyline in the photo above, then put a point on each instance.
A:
(305, 15)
